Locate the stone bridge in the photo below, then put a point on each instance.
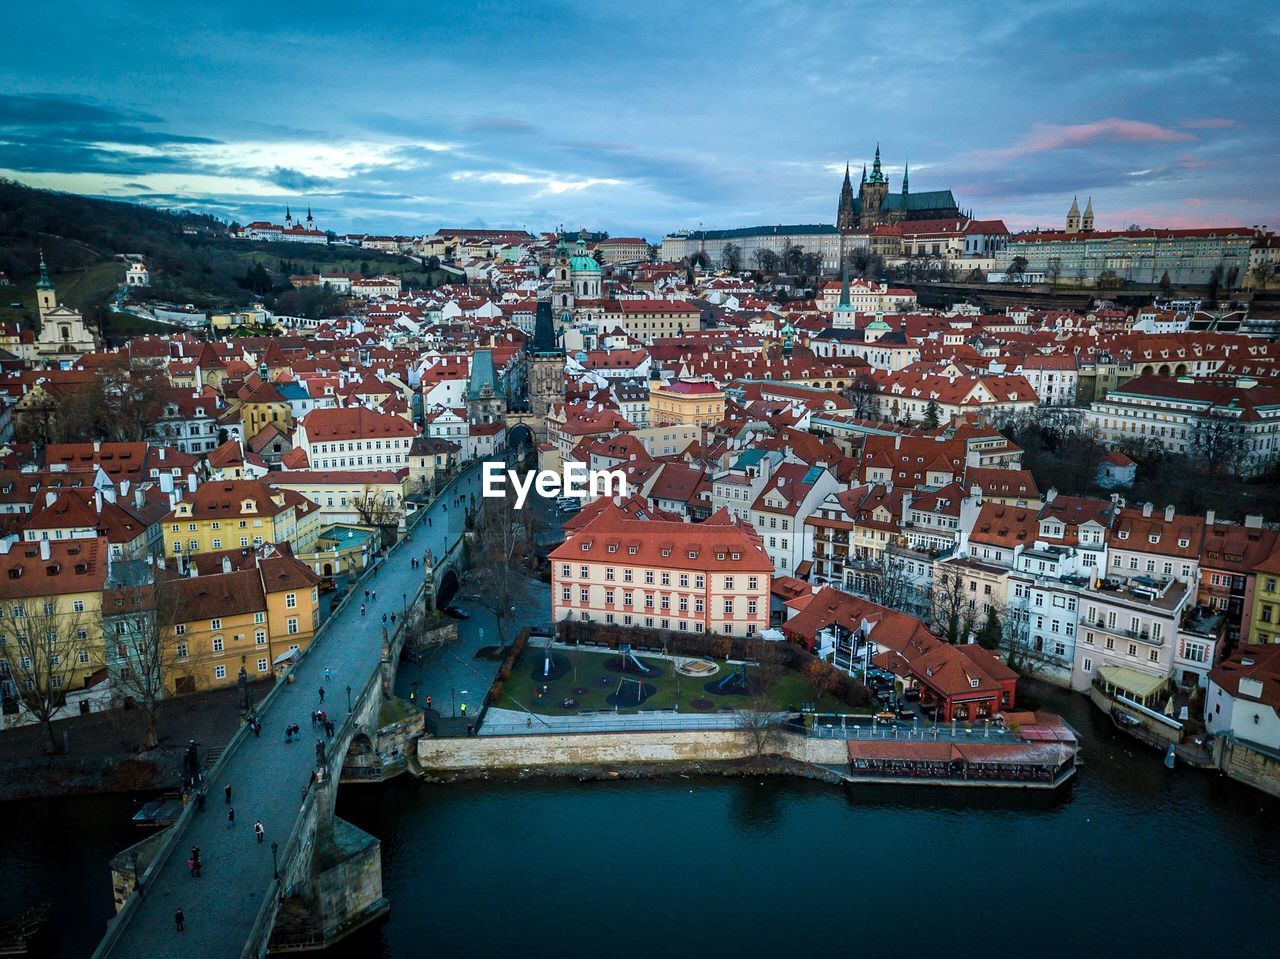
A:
(315, 877)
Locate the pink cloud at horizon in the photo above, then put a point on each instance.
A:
(1201, 215)
(1208, 123)
(1045, 137)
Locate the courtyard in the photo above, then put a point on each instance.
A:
(565, 681)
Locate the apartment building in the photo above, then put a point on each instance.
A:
(712, 577)
(239, 514)
(355, 438)
(253, 618)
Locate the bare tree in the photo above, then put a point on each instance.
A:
(864, 394)
(1218, 442)
(952, 611)
(731, 257)
(885, 580)
(499, 550)
(48, 645)
(373, 509)
(1025, 656)
(142, 645)
(766, 260)
(758, 718)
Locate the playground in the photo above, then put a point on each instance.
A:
(561, 681)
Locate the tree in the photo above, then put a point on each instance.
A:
(376, 510)
(1217, 443)
(886, 580)
(952, 612)
(792, 257)
(142, 645)
(766, 260)
(1017, 269)
(256, 280)
(699, 260)
(731, 257)
(1025, 657)
(499, 552)
(1165, 282)
(1054, 271)
(932, 415)
(758, 719)
(990, 635)
(864, 394)
(48, 644)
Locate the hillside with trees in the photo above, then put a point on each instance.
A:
(192, 260)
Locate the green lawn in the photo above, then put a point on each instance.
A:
(783, 690)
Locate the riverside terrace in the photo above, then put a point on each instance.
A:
(231, 908)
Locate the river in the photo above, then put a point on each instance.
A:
(1133, 859)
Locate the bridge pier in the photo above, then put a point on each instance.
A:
(341, 893)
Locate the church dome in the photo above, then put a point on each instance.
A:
(583, 264)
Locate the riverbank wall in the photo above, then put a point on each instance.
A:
(46, 777)
(450, 757)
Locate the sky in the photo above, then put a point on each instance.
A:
(644, 118)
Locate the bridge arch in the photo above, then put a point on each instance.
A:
(448, 588)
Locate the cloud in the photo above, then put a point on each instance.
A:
(1046, 137)
(1208, 123)
(548, 184)
(498, 125)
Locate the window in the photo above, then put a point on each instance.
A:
(260, 637)
(584, 595)
(215, 624)
(564, 571)
(728, 607)
(217, 644)
(728, 582)
(259, 618)
(78, 606)
(290, 600)
(291, 625)
(566, 594)
(219, 672)
(262, 665)
(753, 582)
(180, 629)
(648, 577)
(584, 572)
(1087, 665)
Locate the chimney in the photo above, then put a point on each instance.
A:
(162, 454)
(97, 501)
(191, 482)
(226, 564)
(1253, 521)
(166, 483)
(1146, 510)
(1209, 516)
(897, 441)
(1168, 513)
(49, 497)
(44, 549)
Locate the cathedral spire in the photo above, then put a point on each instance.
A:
(864, 173)
(906, 173)
(877, 174)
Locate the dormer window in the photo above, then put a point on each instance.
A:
(1184, 543)
(973, 684)
(586, 547)
(666, 552)
(1122, 534)
(631, 550)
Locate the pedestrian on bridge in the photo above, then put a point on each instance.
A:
(178, 918)
(366, 595)
(384, 619)
(375, 595)
(322, 694)
(259, 831)
(227, 791)
(231, 816)
(362, 609)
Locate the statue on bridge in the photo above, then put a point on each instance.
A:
(320, 758)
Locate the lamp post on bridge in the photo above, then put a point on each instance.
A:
(275, 862)
(348, 699)
(246, 693)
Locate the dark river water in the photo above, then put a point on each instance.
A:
(1133, 860)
